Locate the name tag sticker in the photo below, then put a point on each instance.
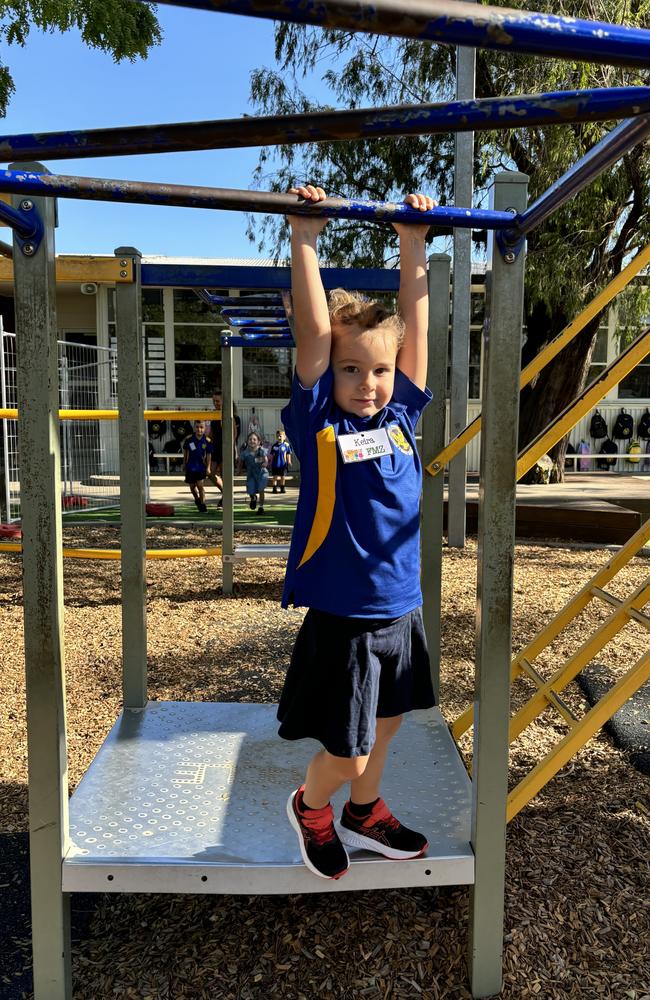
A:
(362, 447)
(192, 446)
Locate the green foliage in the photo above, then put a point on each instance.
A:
(125, 30)
(574, 254)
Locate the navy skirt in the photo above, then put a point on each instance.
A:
(347, 672)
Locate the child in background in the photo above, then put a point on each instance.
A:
(280, 460)
(197, 452)
(215, 437)
(360, 659)
(255, 460)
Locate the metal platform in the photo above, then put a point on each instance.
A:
(190, 798)
(258, 552)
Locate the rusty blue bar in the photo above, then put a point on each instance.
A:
(226, 199)
(557, 107)
(602, 156)
(453, 22)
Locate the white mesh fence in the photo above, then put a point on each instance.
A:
(89, 448)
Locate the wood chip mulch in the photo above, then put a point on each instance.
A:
(578, 891)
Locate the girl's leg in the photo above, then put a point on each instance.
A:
(365, 787)
(325, 775)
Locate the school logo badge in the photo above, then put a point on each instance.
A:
(396, 435)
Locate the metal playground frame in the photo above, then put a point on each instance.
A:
(188, 762)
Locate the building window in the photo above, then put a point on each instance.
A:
(599, 357)
(153, 332)
(636, 385)
(266, 372)
(197, 348)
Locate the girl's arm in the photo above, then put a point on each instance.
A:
(311, 317)
(413, 294)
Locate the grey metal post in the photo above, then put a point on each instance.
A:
(500, 401)
(461, 305)
(40, 499)
(433, 439)
(133, 455)
(227, 421)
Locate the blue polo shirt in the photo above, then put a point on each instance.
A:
(355, 548)
(197, 451)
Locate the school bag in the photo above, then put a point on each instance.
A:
(569, 458)
(598, 427)
(633, 452)
(623, 426)
(607, 449)
(643, 429)
(584, 465)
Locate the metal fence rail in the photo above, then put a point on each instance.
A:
(89, 454)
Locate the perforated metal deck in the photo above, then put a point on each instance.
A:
(191, 797)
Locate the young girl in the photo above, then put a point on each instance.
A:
(254, 459)
(360, 659)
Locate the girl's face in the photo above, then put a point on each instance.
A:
(253, 442)
(363, 363)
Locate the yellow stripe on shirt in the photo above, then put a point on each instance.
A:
(326, 451)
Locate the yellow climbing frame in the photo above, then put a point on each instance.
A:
(547, 694)
(544, 357)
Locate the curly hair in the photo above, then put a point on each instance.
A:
(349, 309)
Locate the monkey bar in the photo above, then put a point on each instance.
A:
(482, 114)
(451, 22)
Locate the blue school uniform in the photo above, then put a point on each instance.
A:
(197, 450)
(355, 549)
(279, 452)
(257, 475)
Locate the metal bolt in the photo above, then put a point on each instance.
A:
(26, 205)
(123, 263)
(436, 466)
(509, 256)
(29, 249)
(124, 274)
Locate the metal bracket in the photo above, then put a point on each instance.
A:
(510, 242)
(26, 224)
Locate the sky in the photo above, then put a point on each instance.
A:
(200, 71)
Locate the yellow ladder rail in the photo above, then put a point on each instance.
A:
(617, 621)
(587, 727)
(550, 351)
(612, 375)
(616, 602)
(551, 696)
(545, 636)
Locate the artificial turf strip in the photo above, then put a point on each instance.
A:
(276, 515)
(629, 728)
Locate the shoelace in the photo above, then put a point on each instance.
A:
(320, 828)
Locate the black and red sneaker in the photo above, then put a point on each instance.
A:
(321, 849)
(379, 831)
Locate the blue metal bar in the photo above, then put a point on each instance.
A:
(254, 312)
(556, 107)
(268, 331)
(267, 321)
(602, 156)
(452, 22)
(25, 223)
(239, 300)
(200, 276)
(256, 340)
(226, 199)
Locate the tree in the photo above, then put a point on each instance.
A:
(126, 30)
(570, 258)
